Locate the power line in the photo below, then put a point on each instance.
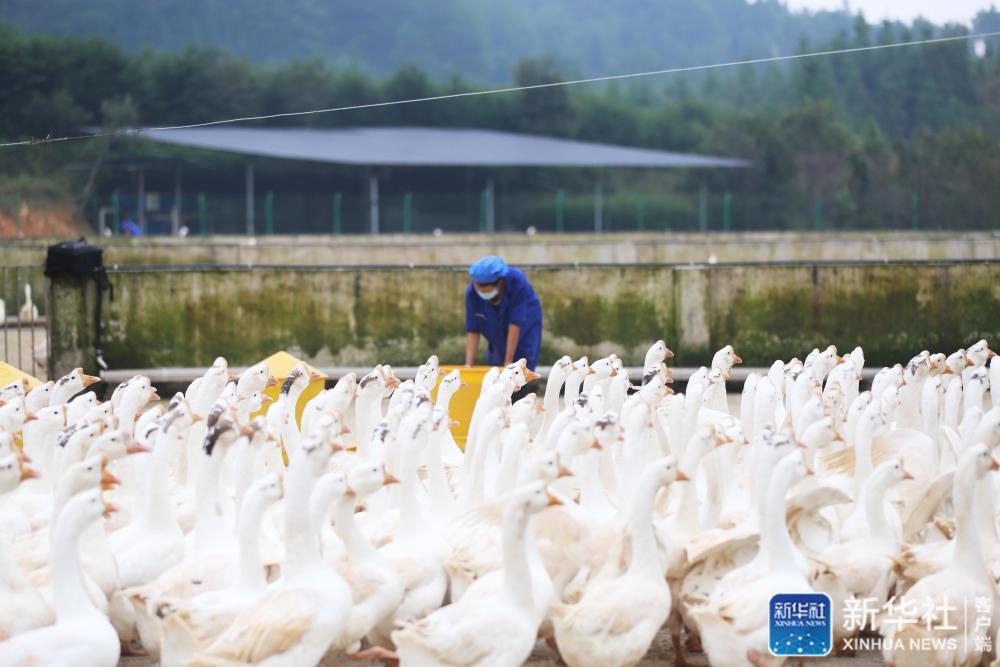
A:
(510, 89)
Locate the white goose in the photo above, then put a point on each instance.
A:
(81, 635)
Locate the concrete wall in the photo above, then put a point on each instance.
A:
(345, 316)
(541, 249)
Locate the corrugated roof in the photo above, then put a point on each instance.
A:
(428, 147)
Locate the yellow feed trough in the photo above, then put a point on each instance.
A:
(464, 401)
(9, 374)
(280, 364)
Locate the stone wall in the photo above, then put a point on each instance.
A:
(342, 316)
(455, 250)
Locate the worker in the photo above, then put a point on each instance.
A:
(501, 305)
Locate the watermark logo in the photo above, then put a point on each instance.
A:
(800, 624)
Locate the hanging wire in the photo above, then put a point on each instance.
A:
(509, 89)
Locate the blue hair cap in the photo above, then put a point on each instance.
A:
(488, 270)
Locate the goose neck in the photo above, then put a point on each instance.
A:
(776, 543)
(359, 549)
(71, 601)
(645, 556)
(251, 575)
(517, 571)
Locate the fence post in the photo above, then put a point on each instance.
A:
(17, 215)
(338, 200)
(727, 212)
(640, 213)
(269, 213)
(483, 205)
(818, 213)
(203, 214)
(408, 213)
(116, 217)
(560, 205)
(915, 211)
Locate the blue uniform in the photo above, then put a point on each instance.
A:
(518, 305)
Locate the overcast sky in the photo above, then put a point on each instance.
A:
(938, 11)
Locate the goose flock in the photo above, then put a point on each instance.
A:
(217, 528)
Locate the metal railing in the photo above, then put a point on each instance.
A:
(24, 330)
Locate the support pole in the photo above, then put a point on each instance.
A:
(116, 218)
(915, 212)
(408, 213)
(140, 205)
(702, 208)
(203, 214)
(249, 199)
(338, 200)
(175, 210)
(818, 213)
(269, 213)
(491, 223)
(373, 204)
(598, 206)
(560, 206)
(727, 212)
(640, 213)
(17, 215)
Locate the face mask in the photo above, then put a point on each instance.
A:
(488, 296)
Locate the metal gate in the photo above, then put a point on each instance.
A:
(24, 336)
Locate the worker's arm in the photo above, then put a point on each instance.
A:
(471, 347)
(513, 335)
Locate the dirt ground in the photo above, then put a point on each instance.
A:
(660, 654)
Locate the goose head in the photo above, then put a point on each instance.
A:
(656, 354)
(82, 510)
(825, 361)
(296, 381)
(819, 434)
(72, 384)
(603, 368)
(14, 414)
(980, 353)
(39, 397)
(255, 378)
(661, 472)
(367, 478)
(957, 362)
(608, 430)
(544, 467)
(581, 367)
(529, 499)
(889, 473)
(702, 441)
(724, 360)
(270, 488)
(114, 445)
(13, 472)
(576, 439)
(561, 370)
(526, 411)
(19, 387)
(449, 386)
(220, 436)
(936, 362)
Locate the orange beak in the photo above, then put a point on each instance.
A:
(995, 465)
(553, 500)
(737, 360)
(907, 475)
(272, 381)
(137, 448)
(809, 471)
(596, 444)
(196, 418)
(564, 471)
(90, 379)
(108, 481)
(314, 375)
(681, 477)
(28, 473)
(838, 438)
(31, 417)
(109, 509)
(531, 375)
(670, 353)
(154, 396)
(389, 478)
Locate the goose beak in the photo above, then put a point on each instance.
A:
(28, 473)
(90, 379)
(809, 471)
(455, 423)
(266, 399)
(553, 500)
(564, 471)
(196, 418)
(681, 477)
(839, 359)
(737, 359)
(800, 445)
(970, 362)
(596, 444)
(614, 372)
(670, 353)
(990, 354)
(154, 396)
(108, 481)
(137, 448)
(314, 375)
(389, 478)
(233, 376)
(272, 381)
(31, 417)
(109, 509)
(995, 465)
(344, 430)
(336, 446)
(590, 371)
(463, 384)
(22, 457)
(838, 438)
(947, 371)
(531, 375)
(350, 492)
(906, 474)
(391, 383)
